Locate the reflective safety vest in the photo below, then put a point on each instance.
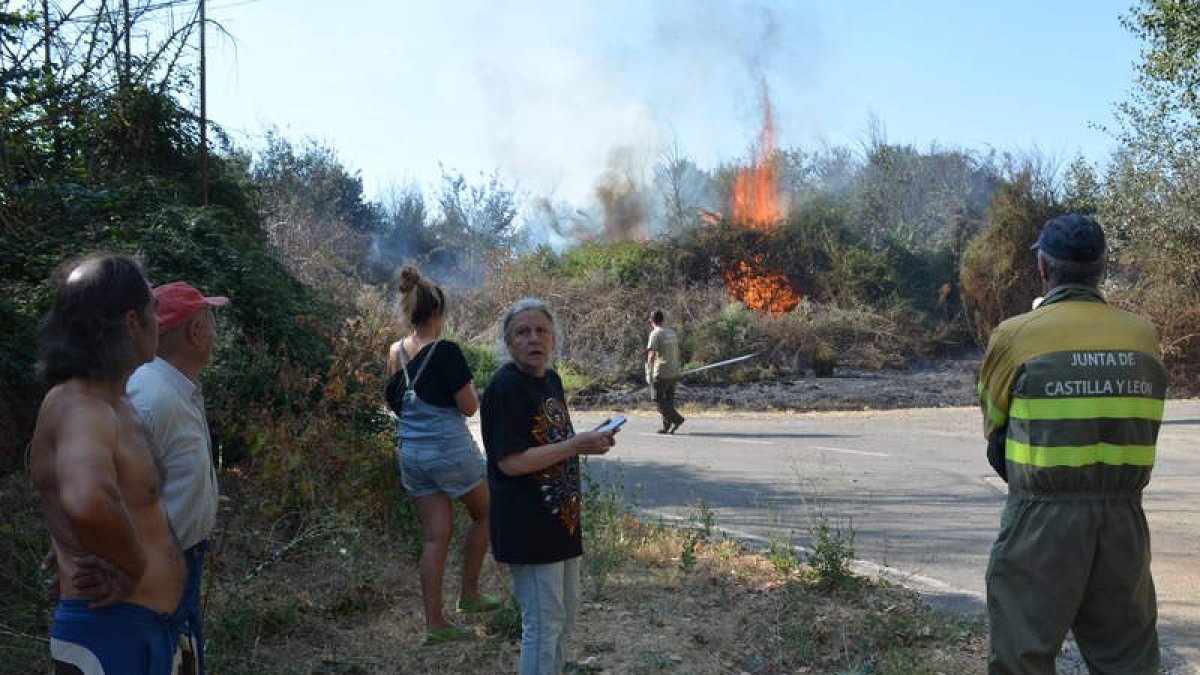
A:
(1077, 388)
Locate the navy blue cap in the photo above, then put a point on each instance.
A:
(1071, 237)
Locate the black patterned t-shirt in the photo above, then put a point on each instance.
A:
(535, 517)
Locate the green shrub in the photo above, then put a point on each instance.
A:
(703, 526)
(337, 450)
(824, 360)
(730, 333)
(506, 621)
(484, 363)
(573, 380)
(24, 542)
(604, 518)
(999, 274)
(832, 551)
(628, 263)
(272, 317)
(20, 392)
(782, 554)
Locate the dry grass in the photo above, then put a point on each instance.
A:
(734, 610)
(327, 593)
(316, 595)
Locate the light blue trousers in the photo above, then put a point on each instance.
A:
(549, 599)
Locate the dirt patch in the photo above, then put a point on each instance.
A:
(932, 384)
(332, 598)
(734, 612)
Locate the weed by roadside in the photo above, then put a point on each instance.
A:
(781, 552)
(336, 592)
(832, 551)
(687, 599)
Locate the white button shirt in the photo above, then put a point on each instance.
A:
(171, 409)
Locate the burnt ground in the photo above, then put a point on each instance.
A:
(928, 384)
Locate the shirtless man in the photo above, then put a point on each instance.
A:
(121, 571)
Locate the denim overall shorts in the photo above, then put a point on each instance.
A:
(437, 451)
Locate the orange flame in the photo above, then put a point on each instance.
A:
(756, 205)
(756, 188)
(760, 290)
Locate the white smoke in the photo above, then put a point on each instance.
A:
(559, 107)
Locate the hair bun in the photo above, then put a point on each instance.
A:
(409, 278)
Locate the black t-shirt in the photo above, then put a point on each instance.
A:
(446, 373)
(535, 517)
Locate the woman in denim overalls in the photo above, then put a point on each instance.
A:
(439, 460)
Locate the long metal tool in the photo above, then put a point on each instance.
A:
(718, 364)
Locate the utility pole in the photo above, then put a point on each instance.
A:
(48, 75)
(46, 40)
(203, 113)
(128, 52)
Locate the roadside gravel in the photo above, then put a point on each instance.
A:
(934, 384)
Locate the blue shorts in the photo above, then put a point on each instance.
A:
(455, 469)
(122, 639)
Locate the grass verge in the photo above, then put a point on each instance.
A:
(325, 593)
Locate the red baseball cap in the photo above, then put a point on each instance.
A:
(178, 300)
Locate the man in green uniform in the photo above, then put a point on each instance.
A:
(1072, 394)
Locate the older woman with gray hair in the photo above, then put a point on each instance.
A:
(533, 473)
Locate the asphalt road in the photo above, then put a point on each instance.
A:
(913, 485)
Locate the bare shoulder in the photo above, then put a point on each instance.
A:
(72, 422)
(394, 350)
(69, 411)
(393, 357)
(80, 400)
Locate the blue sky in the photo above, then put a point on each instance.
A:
(545, 92)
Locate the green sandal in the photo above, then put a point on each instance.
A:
(436, 636)
(484, 603)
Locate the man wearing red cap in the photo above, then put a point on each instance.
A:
(166, 395)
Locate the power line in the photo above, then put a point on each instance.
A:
(147, 9)
(171, 4)
(236, 4)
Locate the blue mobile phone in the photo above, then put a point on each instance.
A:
(611, 424)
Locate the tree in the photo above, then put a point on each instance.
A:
(315, 212)
(1170, 67)
(57, 64)
(1153, 183)
(826, 174)
(1152, 188)
(684, 189)
(99, 152)
(475, 221)
(998, 275)
(916, 198)
(1082, 190)
(404, 236)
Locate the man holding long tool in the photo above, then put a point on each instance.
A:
(662, 371)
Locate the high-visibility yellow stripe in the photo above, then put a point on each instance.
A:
(1128, 407)
(1081, 455)
(995, 415)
